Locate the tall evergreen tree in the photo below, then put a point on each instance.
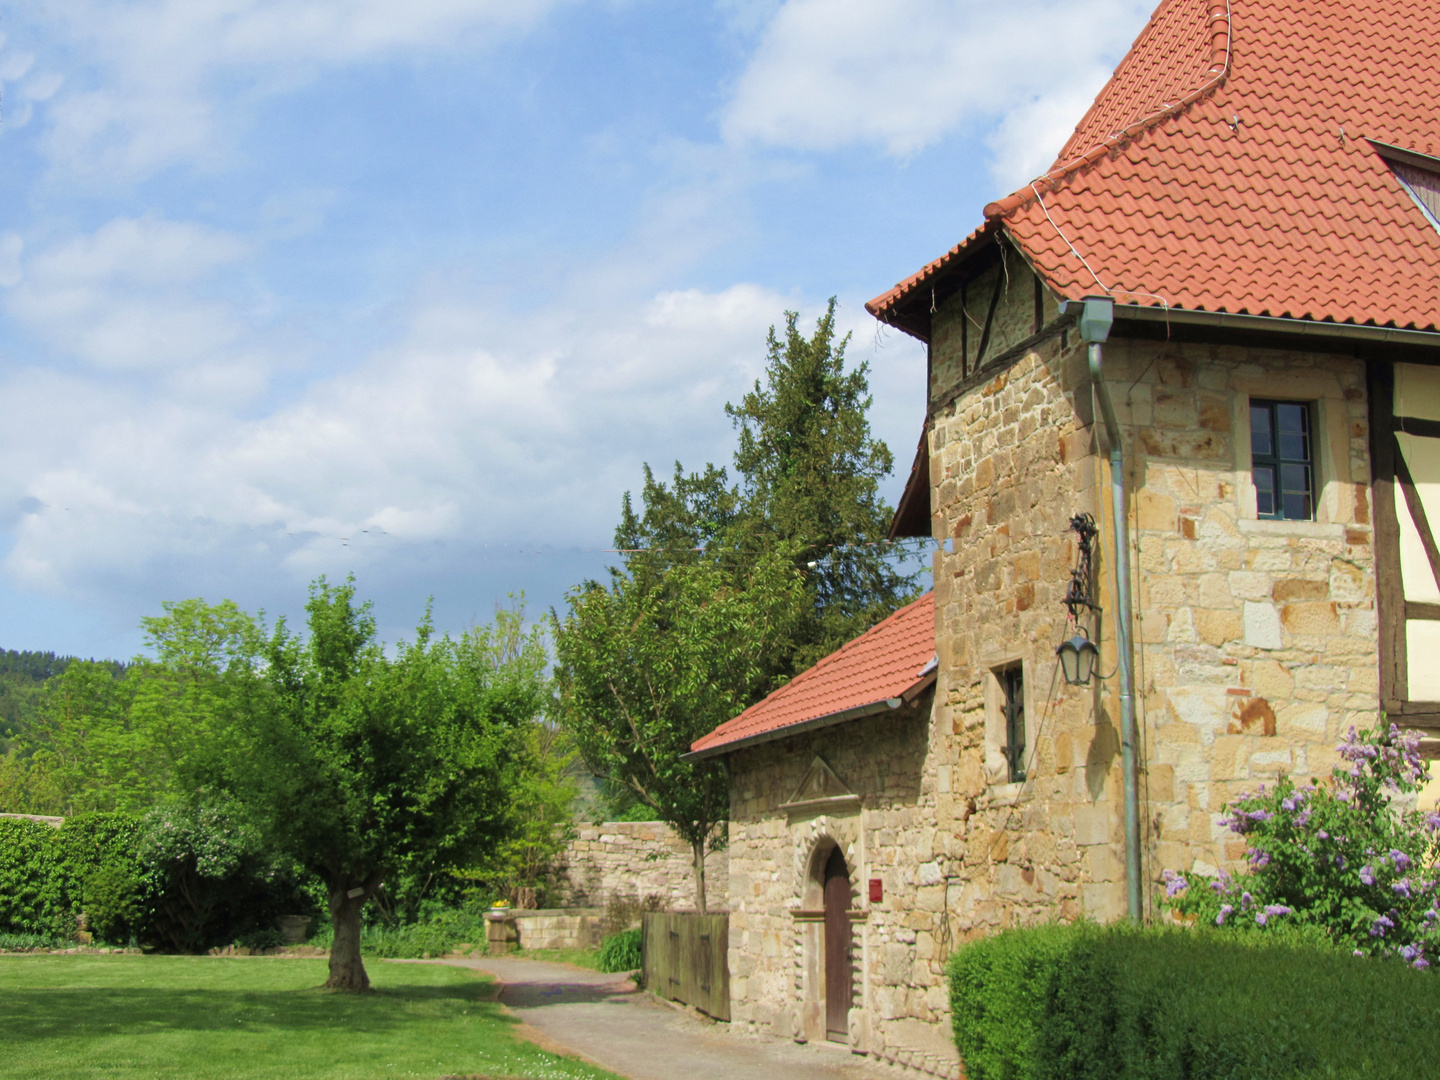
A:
(809, 471)
(810, 476)
(727, 589)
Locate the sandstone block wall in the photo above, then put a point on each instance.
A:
(635, 860)
(897, 833)
(1256, 640)
(560, 928)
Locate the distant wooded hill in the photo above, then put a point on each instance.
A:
(22, 676)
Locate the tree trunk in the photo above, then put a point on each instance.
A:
(347, 971)
(698, 847)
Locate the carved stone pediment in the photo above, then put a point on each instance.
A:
(821, 792)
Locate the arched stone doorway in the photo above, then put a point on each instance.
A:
(839, 974)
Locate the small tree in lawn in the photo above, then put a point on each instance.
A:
(363, 764)
(651, 664)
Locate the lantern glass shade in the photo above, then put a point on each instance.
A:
(1077, 659)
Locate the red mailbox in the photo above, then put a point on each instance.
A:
(877, 890)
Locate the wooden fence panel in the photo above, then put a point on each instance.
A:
(686, 958)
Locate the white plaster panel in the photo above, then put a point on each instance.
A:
(1423, 457)
(1417, 391)
(1422, 642)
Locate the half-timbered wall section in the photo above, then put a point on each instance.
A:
(987, 320)
(1405, 423)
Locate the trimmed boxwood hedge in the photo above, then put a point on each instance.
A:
(1083, 1002)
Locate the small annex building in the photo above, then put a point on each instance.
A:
(1199, 355)
(833, 802)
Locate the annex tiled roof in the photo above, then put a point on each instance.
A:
(1228, 166)
(886, 662)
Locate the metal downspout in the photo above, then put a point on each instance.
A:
(1121, 561)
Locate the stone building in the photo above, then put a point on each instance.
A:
(1254, 216)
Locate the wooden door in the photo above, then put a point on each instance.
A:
(838, 982)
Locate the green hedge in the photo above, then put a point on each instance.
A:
(1089, 1003)
(43, 869)
(134, 889)
(435, 934)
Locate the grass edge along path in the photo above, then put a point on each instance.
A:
(219, 1018)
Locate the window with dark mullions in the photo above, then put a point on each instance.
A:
(1012, 685)
(1282, 460)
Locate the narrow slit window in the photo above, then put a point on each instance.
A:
(1282, 460)
(1012, 685)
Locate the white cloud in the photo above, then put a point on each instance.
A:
(11, 245)
(904, 73)
(474, 428)
(1030, 134)
(123, 298)
(161, 67)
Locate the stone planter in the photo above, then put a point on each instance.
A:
(293, 928)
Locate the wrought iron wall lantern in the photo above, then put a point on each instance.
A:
(1078, 654)
(1077, 659)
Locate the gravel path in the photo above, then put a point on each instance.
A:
(606, 1020)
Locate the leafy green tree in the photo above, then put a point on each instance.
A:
(82, 750)
(645, 667)
(204, 661)
(362, 766)
(122, 737)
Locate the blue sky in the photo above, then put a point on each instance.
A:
(291, 287)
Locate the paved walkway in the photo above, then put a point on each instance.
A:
(606, 1020)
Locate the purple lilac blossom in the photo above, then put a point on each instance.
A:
(1402, 888)
(1174, 884)
(1400, 859)
(1367, 875)
(1225, 911)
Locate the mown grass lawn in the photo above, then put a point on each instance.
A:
(124, 1017)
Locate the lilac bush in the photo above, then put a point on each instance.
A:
(1343, 858)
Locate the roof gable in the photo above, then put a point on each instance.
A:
(1255, 190)
(890, 662)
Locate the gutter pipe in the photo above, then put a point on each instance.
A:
(1097, 313)
(1269, 324)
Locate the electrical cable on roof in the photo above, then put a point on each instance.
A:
(1059, 232)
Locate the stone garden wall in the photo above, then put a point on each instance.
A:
(635, 860)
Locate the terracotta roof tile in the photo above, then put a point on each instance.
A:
(1212, 173)
(882, 663)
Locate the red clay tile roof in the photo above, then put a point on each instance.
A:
(881, 664)
(1227, 166)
